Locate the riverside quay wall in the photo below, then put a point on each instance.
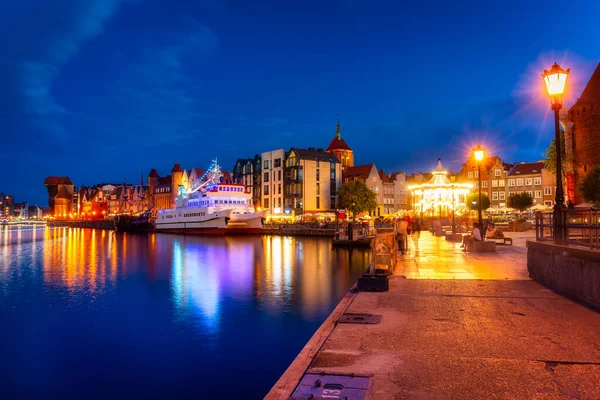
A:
(571, 271)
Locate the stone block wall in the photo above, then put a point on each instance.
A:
(572, 272)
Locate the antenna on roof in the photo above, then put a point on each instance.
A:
(338, 133)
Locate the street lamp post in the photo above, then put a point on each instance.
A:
(453, 219)
(479, 153)
(556, 80)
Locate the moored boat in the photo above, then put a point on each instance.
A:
(212, 207)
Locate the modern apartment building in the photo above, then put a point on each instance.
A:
(312, 178)
(273, 163)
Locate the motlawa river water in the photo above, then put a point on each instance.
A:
(92, 314)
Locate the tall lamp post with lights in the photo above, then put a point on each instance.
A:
(479, 154)
(556, 80)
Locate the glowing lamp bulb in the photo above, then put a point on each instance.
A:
(555, 80)
(479, 153)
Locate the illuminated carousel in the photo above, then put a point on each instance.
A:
(439, 196)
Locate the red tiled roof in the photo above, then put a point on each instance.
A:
(527, 168)
(166, 180)
(591, 93)
(58, 180)
(383, 176)
(357, 172)
(338, 144)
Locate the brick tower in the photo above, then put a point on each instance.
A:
(585, 118)
(341, 150)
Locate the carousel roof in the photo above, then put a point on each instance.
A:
(439, 180)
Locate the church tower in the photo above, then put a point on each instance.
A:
(341, 150)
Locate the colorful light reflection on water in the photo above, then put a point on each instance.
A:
(95, 314)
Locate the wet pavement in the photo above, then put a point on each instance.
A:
(464, 326)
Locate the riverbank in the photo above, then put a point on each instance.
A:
(459, 325)
(96, 224)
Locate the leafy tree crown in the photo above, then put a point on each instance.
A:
(356, 197)
(589, 187)
(472, 201)
(520, 201)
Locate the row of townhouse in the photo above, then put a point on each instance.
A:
(499, 180)
(390, 190)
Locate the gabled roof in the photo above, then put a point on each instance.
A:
(338, 144)
(384, 177)
(358, 172)
(527, 168)
(57, 180)
(591, 93)
(63, 193)
(315, 154)
(153, 173)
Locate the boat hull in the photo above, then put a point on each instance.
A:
(232, 224)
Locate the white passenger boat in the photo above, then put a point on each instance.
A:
(212, 207)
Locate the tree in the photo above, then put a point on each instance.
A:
(473, 198)
(589, 187)
(356, 197)
(550, 156)
(520, 201)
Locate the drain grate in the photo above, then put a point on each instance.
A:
(351, 318)
(316, 386)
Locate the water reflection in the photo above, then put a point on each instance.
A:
(213, 302)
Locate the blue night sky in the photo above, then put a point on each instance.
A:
(101, 90)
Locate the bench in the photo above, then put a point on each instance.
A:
(482, 247)
(502, 240)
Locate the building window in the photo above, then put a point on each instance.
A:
(476, 174)
(548, 191)
(318, 174)
(266, 177)
(494, 195)
(501, 183)
(332, 165)
(266, 203)
(494, 183)
(332, 204)
(470, 174)
(279, 175)
(279, 188)
(537, 180)
(520, 182)
(484, 184)
(266, 164)
(266, 190)
(498, 172)
(548, 203)
(529, 192)
(318, 202)
(511, 182)
(476, 184)
(318, 188)
(538, 194)
(277, 163)
(528, 181)
(502, 196)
